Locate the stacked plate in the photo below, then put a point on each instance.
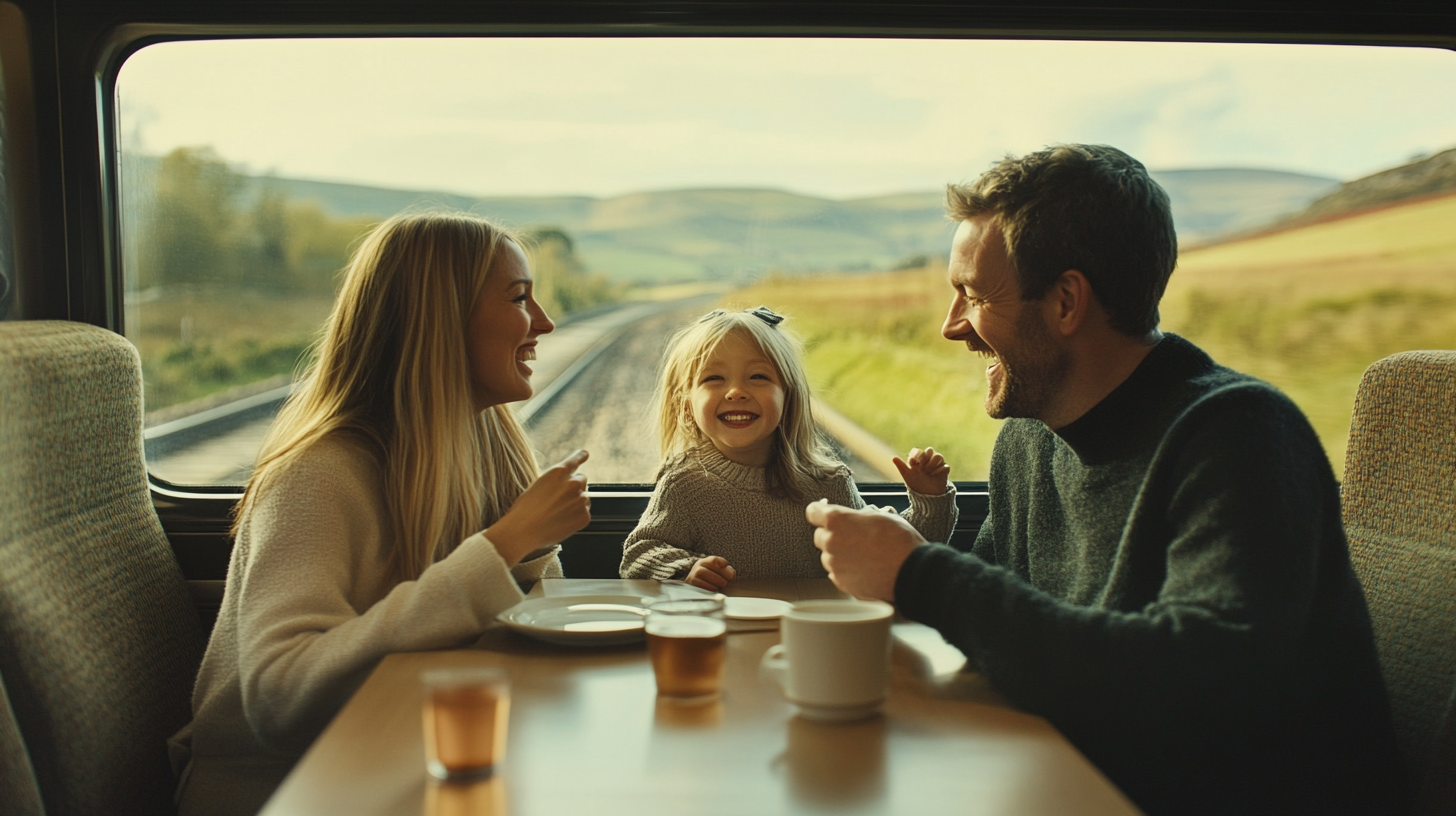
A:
(609, 620)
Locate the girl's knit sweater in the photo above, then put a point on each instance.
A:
(706, 504)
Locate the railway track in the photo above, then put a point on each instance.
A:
(594, 377)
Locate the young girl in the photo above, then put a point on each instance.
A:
(395, 505)
(742, 456)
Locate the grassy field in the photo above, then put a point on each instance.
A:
(1307, 309)
(199, 342)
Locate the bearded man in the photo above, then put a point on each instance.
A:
(1163, 573)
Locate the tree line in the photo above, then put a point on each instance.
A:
(199, 222)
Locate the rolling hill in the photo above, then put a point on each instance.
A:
(1308, 308)
(1427, 176)
(739, 234)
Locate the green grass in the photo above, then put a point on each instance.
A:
(203, 341)
(1307, 310)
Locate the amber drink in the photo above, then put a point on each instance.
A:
(467, 711)
(686, 639)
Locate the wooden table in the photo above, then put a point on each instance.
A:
(588, 736)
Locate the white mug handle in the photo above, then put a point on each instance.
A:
(775, 666)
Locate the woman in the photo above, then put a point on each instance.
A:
(395, 505)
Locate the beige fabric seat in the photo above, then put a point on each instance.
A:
(99, 642)
(1399, 499)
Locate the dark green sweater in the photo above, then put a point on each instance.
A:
(1167, 581)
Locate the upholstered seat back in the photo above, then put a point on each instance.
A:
(100, 640)
(1399, 499)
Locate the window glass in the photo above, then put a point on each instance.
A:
(1311, 188)
(16, 149)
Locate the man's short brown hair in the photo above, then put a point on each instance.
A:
(1092, 208)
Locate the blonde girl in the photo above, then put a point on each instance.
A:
(394, 507)
(742, 456)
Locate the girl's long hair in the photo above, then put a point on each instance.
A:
(800, 457)
(391, 372)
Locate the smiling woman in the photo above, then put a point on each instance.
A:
(503, 328)
(395, 505)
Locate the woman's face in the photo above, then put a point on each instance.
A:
(501, 336)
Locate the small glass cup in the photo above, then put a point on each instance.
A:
(686, 639)
(467, 711)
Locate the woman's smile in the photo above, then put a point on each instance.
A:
(525, 354)
(502, 331)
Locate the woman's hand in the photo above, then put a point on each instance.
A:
(924, 471)
(552, 508)
(711, 573)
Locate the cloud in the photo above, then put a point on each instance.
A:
(834, 117)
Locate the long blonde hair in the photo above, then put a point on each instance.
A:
(800, 456)
(391, 371)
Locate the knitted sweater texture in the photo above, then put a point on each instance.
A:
(706, 504)
(1167, 580)
(309, 609)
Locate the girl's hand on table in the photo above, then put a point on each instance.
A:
(711, 573)
(924, 471)
(552, 508)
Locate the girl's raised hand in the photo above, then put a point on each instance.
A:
(711, 573)
(552, 508)
(924, 471)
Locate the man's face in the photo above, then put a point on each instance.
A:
(987, 313)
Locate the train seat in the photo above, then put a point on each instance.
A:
(101, 643)
(1399, 500)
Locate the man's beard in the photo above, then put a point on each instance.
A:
(1032, 374)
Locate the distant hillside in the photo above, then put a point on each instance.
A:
(679, 235)
(738, 234)
(1208, 204)
(1429, 176)
(1310, 307)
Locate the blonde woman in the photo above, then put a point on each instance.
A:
(742, 456)
(394, 507)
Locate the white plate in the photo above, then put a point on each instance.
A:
(755, 608)
(579, 620)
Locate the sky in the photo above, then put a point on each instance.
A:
(833, 118)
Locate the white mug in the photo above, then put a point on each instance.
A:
(834, 662)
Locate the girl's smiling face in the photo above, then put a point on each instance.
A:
(738, 400)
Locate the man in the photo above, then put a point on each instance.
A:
(1163, 573)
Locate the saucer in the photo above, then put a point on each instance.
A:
(755, 609)
(832, 713)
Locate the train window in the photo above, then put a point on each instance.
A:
(662, 177)
(17, 149)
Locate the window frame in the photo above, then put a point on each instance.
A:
(98, 39)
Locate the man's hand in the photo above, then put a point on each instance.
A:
(711, 573)
(862, 549)
(924, 471)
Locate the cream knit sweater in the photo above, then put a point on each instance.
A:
(308, 611)
(707, 504)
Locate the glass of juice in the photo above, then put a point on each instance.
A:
(686, 639)
(467, 711)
